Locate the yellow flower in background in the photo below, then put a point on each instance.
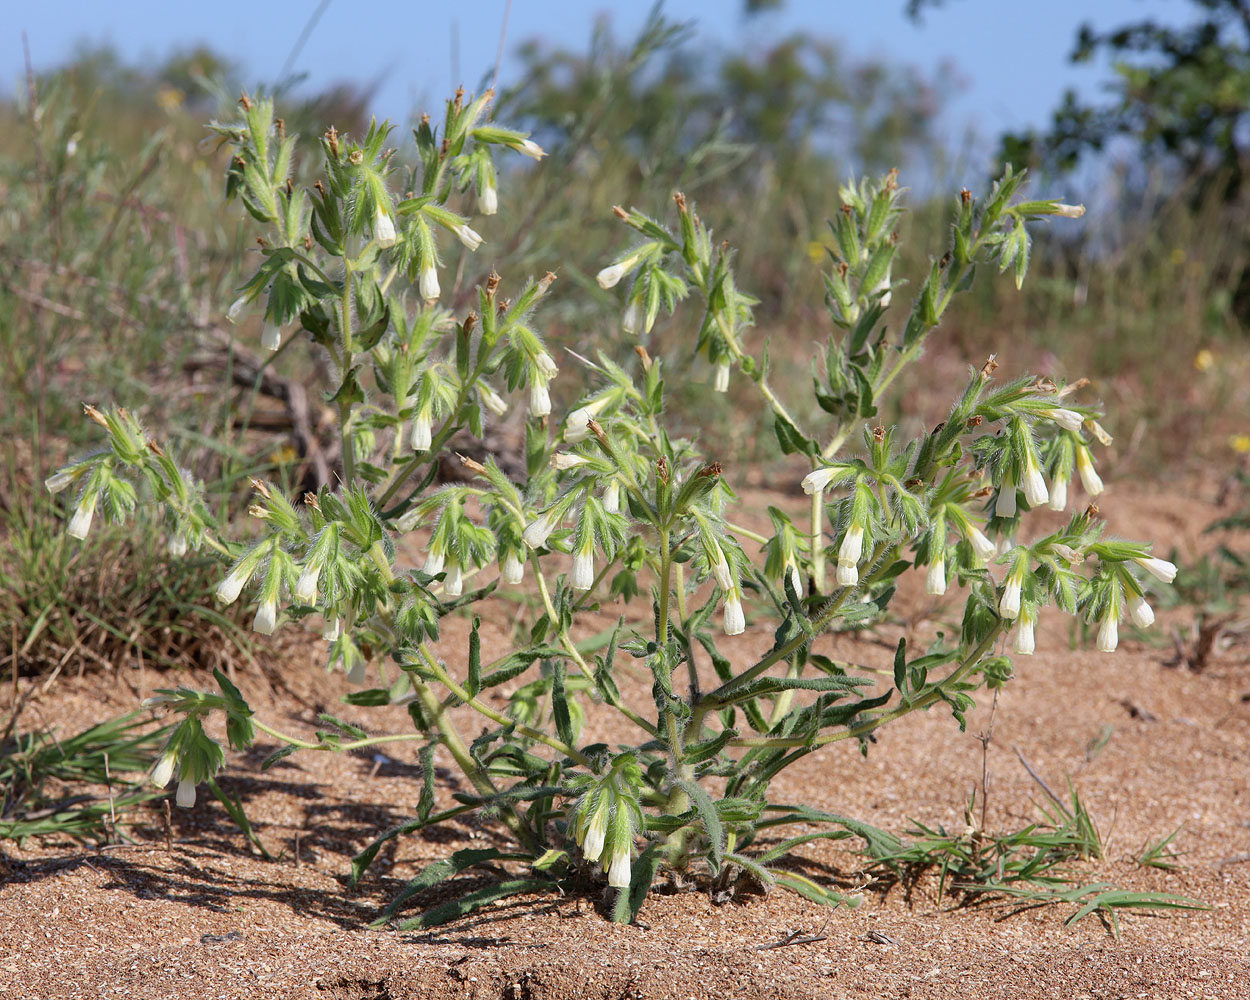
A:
(1203, 360)
(817, 251)
(1240, 443)
(169, 98)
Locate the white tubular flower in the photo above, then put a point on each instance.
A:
(236, 309)
(538, 531)
(59, 481)
(359, 673)
(422, 431)
(562, 460)
(492, 400)
(163, 772)
(1069, 211)
(80, 523)
(468, 236)
(229, 589)
(611, 275)
(433, 562)
(542, 360)
(1089, 476)
(266, 619)
(1025, 643)
(1059, 494)
(596, 831)
(333, 628)
(721, 382)
(186, 793)
(429, 284)
(1005, 503)
(512, 570)
(1009, 603)
(453, 582)
(488, 199)
(985, 549)
(528, 147)
(849, 553)
(1034, 484)
(618, 872)
(612, 497)
(583, 576)
(540, 398)
(271, 336)
(176, 545)
(1069, 420)
(306, 586)
(383, 228)
(735, 620)
(1160, 569)
(720, 569)
(1108, 635)
(816, 480)
(577, 428)
(935, 579)
(631, 319)
(1140, 611)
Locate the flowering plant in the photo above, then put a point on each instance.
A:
(610, 506)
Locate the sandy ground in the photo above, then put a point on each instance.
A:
(199, 916)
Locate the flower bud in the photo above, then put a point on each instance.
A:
(562, 460)
(1069, 211)
(266, 619)
(735, 620)
(306, 586)
(1069, 420)
(611, 275)
(849, 554)
(1160, 569)
(512, 570)
(163, 772)
(528, 147)
(1024, 642)
(333, 628)
(630, 320)
(1005, 504)
(492, 400)
(1009, 603)
(543, 362)
(618, 873)
(816, 480)
(1140, 611)
(796, 578)
(422, 431)
(176, 545)
(612, 497)
(433, 561)
(721, 382)
(577, 426)
(383, 228)
(429, 284)
(538, 531)
(984, 549)
(1059, 493)
(1108, 635)
(935, 579)
(596, 830)
(80, 523)
(540, 398)
(236, 309)
(488, 198)
(583, 576)
(467, 236)
(186, 793)
(271, 336)
(229, 589)
(1034, 484)
(59, 481)
(453, 582)
(359, 673)
(1089, 477)
(720, 568)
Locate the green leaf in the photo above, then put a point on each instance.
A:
(441, 870)
(710, 818)
(470, 902)
(900, 667)
(370, 697)
(332, 720)
(560, 704)
(474, 684)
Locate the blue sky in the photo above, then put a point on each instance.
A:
(1009, 57)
